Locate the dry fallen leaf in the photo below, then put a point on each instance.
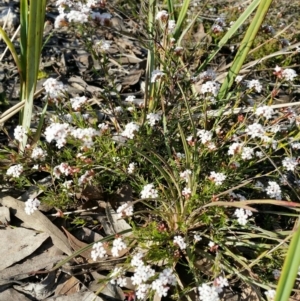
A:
(18, 243)
(12, 295)
(37, 221)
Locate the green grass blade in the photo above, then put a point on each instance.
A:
(245, 47)
(181, 18)
(33, 52)
(290, 269)
(231, 32)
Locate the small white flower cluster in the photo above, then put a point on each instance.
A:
(19, 133)
(242, 215)
(144, 272)
(289, 163)
(98, 251)
(162, 16)
(77, 102)
(131, 168)
(130, 130)
(125, 210)
(205, 136)
(179, 241)
(57, 132)
(210, 87)
(211, 293)
(62, 169)
(255, 85)
(286, 74)
(217, 177)
(273, 190)
(15, 171)
(86, 177)
(185, 175)
(156, 75)
(265, 111)
(171, 26)
(38, 154)
(54, 88)
(118, 245)
(149, 192)
(80, 13)
(270, 294)
(85, 135)
(247, 153)
(255, 130)
(117, 277)
(208, 75)
(31, 205)
(186, 192)
(153, 118)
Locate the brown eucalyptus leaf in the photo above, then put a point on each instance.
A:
(18, 243)
(69, 287)
(81, 296)
(37, 221)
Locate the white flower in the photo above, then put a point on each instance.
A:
(130, 130)
(19, 133)
(211, 244)
(216, 28)
(130, 98)
(156, 75)
(242, 215)
(162, 15)
(270, 294)
(15, 171)
(265, 111)
(210, 87)
(205, 136)
(273, 190)
(289, 163)
(57, 132)
(289, 74)
(77, 16)
(185, 174)
(254, 84)
(186, 192)
(259, 154)
(118, 245)
(38, 153)
(217, 177)
(149, 192)
(208, 293)
(141, 274)
(54, 88)
(234, 148)
(247, 153)
(131, 168)
(171, 26)
(255, 130)
(31, 205)
(137, 259)
(98, 251)
(77, 102)
(142, 291)
(153, 118)
(276, 274)
(239, 78)
(197, 237)
(219, 283)
(179, 240)
(125, 210)
(60, 20)
(209, 74)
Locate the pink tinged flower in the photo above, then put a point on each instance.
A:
(186, 192)
(185, 175)
(31, 205)
(162, 16)
(219, 283)
(98, 251)
(15, 171)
